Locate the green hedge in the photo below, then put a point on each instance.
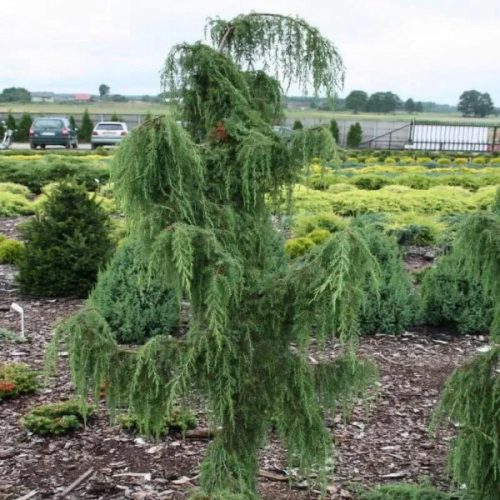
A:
(35, 172)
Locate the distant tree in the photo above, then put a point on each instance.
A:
(485, 106)
(383, 102)
(356, 101)
(334, 129)
(2, 130)
(11, 121)
(118, 98)
(15, 94)
(354, 135)
(104, 90)
(473, 103)
(115, 118)
(85, 130)
(297, 125)
(410, 105)
(419, 107)
(72, 122)
(23, 128)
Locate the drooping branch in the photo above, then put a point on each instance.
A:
(290, 47)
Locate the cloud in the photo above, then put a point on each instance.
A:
(426, 50)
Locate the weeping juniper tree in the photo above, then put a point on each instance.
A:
(198, 199)
(471, 396)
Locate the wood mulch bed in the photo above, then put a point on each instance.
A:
(389, 442)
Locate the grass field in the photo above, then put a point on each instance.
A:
(307, 115)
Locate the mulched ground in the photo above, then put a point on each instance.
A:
(389, 442)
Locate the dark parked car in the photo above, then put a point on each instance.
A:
(52, 132)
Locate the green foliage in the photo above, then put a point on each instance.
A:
(304, 224)
(415, 181)
(471, 398)
(416, 234)
(404, 491)
(334, 129)
(72, 122)
(16, 379)
(198, 202)
(179, 419)
(137, 306)
(115, 118)
(474, 103)
(443, 161)
(85, 131)
(392, 309)
(35, 171)
(8, 336)
(371, 182)
(11, 251)
(354, 135)
(23, 128)
(357, 100)
(295, 49)
(441, 199)
(297, 124)
(14, 204)
(65, 245)
(266, 95)
(296, 247)
(55, 419)
(15, 94)
(312, 143)
(11, 121)
(448, 297)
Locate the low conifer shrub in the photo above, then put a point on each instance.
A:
(135, 304)
(65, 245)
(55, 419)
(16, 379)
(10, 251)
(449, 297)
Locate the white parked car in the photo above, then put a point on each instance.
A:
(108, 134)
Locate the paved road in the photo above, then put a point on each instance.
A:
(25, 145)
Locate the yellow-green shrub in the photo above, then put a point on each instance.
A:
(416, 181)
(341, 188)
(460, 161)
(444, 199)
(15, 379)
(443, 161)
(12, 187)
(318, 235)
(310, 200)
(390, 160)
(304, 224)
(14, 204)
(298, 246)
(10, 251)
(421, 160)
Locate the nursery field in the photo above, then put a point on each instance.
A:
(428, 318)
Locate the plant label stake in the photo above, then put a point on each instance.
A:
(20, 310)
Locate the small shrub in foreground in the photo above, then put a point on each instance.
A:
(179, 420)
(10, 251)
(135, 306)
(65, 245)
(448, 297)
(54, 419)
(404, 491)
(16, 379)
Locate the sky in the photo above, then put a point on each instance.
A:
(430, 50)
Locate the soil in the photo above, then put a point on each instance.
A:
(388, 441)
